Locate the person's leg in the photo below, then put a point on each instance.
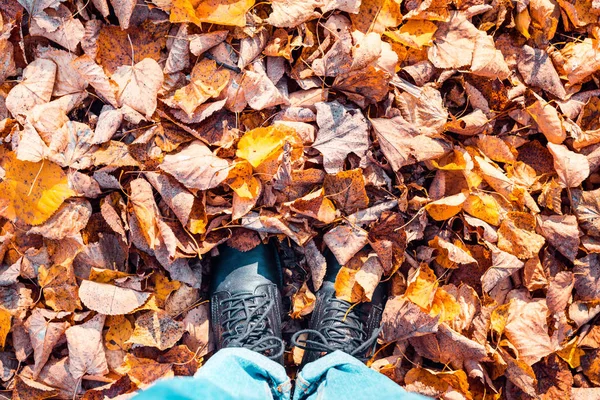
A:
(232, 373)
(340, 376)
(245, 321)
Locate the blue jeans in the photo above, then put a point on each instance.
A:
(238, 373)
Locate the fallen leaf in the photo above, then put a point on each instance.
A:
(86, 352)
(220, 12)
(303, 302)
(36, 87)
(347, 190)
(402, 319)
(345, 241)
(342, 131)
(156, 329)
(206, 81)
(562, 233)
(109, 299)
(138, 85)
(32, 191)
(44, 335)
(196, 166)
(536, 68)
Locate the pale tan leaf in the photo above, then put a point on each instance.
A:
(35, 88)
(109, 299)
(86, 351)
(572, 168)
(345, 241)
(139, 85)
(196, 167)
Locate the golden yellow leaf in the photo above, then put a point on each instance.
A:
(522, 22)
(499, 318)
(119, 331)
(345, 285)
(303, 302)
(422, 288)
(414, 33)
(206, 81)
(221, 12)
(163, 287)
(5, 320)
(451, 255)
(571, 353)
(447, 207)
(263, 144)
(445, 305)
(377, 15)
(31, 192)
(241, 181)
(102, 275)
(483, 206)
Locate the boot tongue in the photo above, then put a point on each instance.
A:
(234, 270)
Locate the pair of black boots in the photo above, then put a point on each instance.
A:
(246, 309)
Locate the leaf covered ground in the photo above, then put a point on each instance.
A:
(447, 147)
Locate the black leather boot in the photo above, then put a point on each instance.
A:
(339, 325)
(246, 300)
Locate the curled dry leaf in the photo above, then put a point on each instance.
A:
(345, 241)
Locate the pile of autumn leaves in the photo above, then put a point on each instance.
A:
(450, 149)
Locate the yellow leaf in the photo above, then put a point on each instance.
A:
(31, 192)
(102, 275)
(414, 33)
(522, 22)
(445, 305)
(446, 208)
(483, 206)
(454, 161)
(241, 181)
(498, 319)
(262, 144)
(303, 302)
(5, 319)
(221, 12)
(345, 285)
(421, 290)
(206, 81)
(451, 255)
(163, 287)
(377, 15)
(119, 331)
(571, 353)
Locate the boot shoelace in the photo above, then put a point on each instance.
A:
(246, 325)
(341, 330)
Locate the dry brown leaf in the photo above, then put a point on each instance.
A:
(536, 68)
(527, 329)
(342, 131)
(44, 335)
(561, 232)
(587, 209)
(402, 319)
(156, 329)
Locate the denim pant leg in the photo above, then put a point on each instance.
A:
(341, 376)
(232, 373)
